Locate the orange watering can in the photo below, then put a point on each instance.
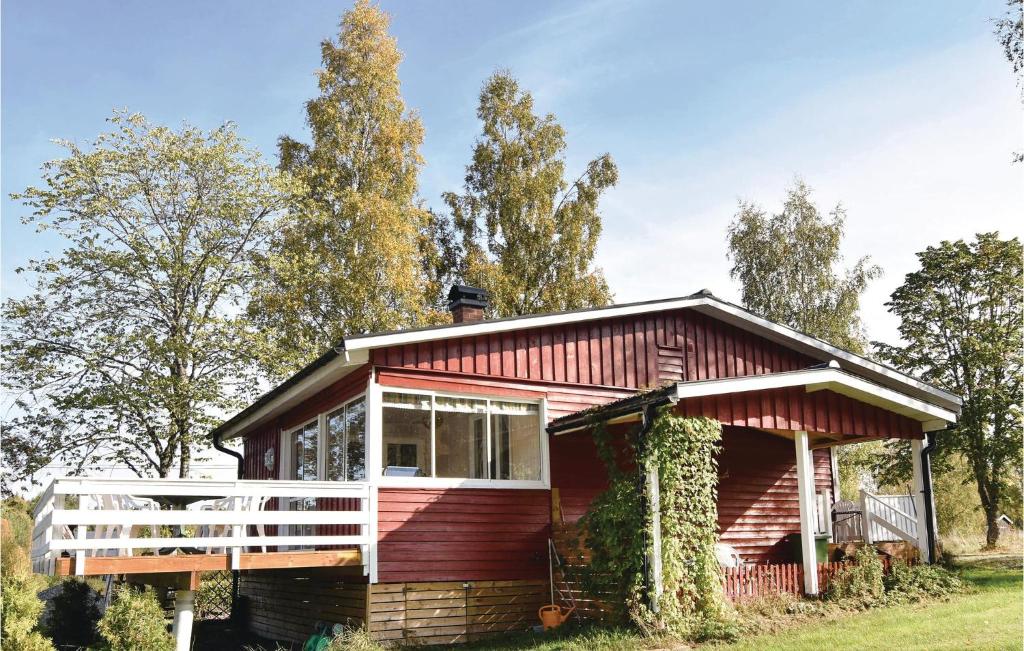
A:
(553, 616)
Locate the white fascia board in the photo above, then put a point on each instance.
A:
(826, 378)
(323, 377)
(508, 325)
(788, 336)
(708, 305)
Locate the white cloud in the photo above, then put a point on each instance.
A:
(916, 154)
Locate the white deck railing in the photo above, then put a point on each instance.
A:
(112, 516)
(888, 517)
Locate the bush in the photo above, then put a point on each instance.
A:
(76, 612)
(911, 583)
(19, 620)
(20, 606)
(860, 585)
(135, 621)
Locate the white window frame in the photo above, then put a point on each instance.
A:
(321, 441)
(322, 450)
(376, 404)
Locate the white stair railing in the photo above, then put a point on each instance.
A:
(91, 530)
(885, 512)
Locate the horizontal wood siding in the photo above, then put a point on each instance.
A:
(453, 612)
(286, 604)
(758, 502)
(462, 534)
(633, 352)
(794, 408)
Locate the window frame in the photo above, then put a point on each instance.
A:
(377, 406)
(286, 456)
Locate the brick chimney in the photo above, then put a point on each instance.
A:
(467, 304)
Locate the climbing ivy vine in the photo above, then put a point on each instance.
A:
(617, 527)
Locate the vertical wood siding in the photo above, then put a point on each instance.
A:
(633, 352)
(758, 502)
(795, 409)
(462, 534)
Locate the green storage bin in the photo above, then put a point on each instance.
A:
(820, 547)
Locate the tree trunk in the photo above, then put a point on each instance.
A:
(991, 524)
(186, 459)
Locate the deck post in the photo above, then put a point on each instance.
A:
(82, 534)
(182, 628)
(919, 505)
(805, 485)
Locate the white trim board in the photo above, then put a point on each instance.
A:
(355, 350)
(705, 304)
(832, 379)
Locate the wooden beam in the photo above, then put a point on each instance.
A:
(173, 580)
(207, 562)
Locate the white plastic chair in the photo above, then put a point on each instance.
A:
(727, 555)
(122, 532)
(248, 504)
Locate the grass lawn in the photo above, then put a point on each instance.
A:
(991, 617)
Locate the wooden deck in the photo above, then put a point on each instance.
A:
(207, 562)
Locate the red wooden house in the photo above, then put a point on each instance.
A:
(465, 432)
(411, 480)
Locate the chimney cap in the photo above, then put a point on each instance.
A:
(467, 296)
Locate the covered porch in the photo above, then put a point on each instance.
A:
(167, 532)
(791, 420)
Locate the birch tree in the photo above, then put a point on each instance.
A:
(525, 233)
(348, 257)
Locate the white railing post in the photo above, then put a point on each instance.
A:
(54, 532)
(865, 516)
(81, 535)
(236, 535)
(364, 530)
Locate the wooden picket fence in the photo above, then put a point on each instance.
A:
(751, 581)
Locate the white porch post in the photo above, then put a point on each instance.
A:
(805, 485)
(919, 505)
(654, 561)
(182, 628)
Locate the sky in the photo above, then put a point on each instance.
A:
(905, 113)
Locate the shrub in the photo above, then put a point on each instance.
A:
(75, 614)
(135, 621)
(20, 606)
(19, 619)
(860, 584)
(911, 583)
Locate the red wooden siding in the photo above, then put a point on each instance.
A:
(628, 352)
(758, 503)
(562, 399)
(796, 409)
(462, 534)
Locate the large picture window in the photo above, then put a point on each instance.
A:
(460, 438)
